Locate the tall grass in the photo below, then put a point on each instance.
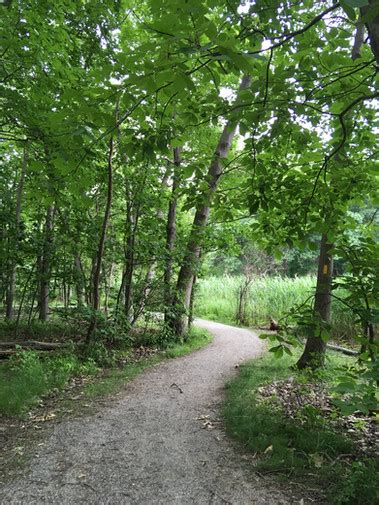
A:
(217, 299)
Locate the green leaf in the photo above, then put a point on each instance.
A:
(176, 142)
(183, 81)
(349, 10)
(188, 171)
(264, 336)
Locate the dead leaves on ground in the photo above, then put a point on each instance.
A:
(207, 422)
(300, 402)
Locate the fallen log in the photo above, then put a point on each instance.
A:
(33, 344)
(344, 350)
(7, 354)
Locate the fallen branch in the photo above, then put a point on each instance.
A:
(7, 354)
(176, 386)
(344, 350)
(32, 344)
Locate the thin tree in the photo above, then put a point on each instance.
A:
(12, 270)
(44, 264)
(182, 299)
(171, 235)
(101, 245)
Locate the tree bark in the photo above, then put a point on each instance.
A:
(315, 347)
(179, 323)
(171, 235)
(79, 281)
(372, 26)
(13, 264)
(100, 250)
(132, 216)
(45, 266)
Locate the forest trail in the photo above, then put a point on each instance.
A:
(161, 443)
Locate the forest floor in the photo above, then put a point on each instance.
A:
(160, 442)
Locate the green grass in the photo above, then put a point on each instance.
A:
(216, 299)
(28, 376)
(306, 451)
(114, 379)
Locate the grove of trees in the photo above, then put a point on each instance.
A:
(136, 136)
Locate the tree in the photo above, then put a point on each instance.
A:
(100, 249)
(190, 262)
(314, 351)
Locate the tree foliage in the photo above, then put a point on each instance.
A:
(89, 88)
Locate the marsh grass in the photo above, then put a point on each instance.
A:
(216, 299)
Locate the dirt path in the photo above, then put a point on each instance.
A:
(153, 446)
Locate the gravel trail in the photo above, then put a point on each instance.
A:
(161, 444)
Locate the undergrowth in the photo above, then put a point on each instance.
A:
(116, 377)
(309, 451)
(56, 329)
(29, 375)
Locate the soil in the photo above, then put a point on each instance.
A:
(161, 442)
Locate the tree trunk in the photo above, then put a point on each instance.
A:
(131, 230)
(315, 347)
(191, 316)
(79, 281)
(12, 270)
(23, 295)
(372, 26)
(45, 266)
(107, 287)
(100, 250)
(171, 236)
(179, 322)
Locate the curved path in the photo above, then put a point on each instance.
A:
(158, 445)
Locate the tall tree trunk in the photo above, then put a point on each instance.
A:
(13, 264)
(107, 287)
(315, 347)
(372, 26)
(100, 250)
(23, 295)
(191, 304)
(179, 322)
(45, 266)
(79, 281)
(171, 236)
(131, 230)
